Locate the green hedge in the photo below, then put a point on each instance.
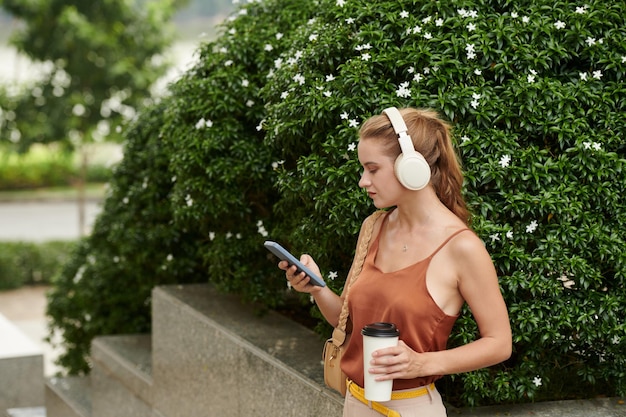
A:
(25, 263)
(257, 140)
(41, 167)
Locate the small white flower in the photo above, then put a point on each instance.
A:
(471, 27)
(439, 22)
(249, 103)
(470, 47)
(530, 78)
(403, 90)
(228, 63)
(537, 381)
(418, 77)
(514, 15)
(353, 123)
(223, 50)
(474, 104)
(427, 19)
(332, 275)
(559, 25)
(531, 227)
(299, 78)
(344, 116)
(428, 35)
(623, 59)
(203, 123)
(473, 14)
(471, 55)
(351, 147)
(590, 41)
(327, 94)
(245, 83)
(597, 74)
(597, 146)
(278, 63)
(169, 258)
(330, 77)
(229, 235)
(313, 37)
(116, 259)
(462, 12)
(581, 9)
(268, 48)
(211, 235)
(525, 19)
(341, 3)
(583, 76)
(404, 14)
(366, 56)
(478, 71)
(415, 30)
(311, 299)
(465, 138)
(569, 284)
(505, 161)
(279, 36)
(509, 234)
(494, 237)
(189, 200)
(284, 95)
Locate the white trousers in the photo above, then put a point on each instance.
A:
(430, 405)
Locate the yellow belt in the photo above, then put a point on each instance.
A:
(359, 393)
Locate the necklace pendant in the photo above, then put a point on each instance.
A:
(404, 248)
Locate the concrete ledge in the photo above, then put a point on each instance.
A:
(213, 356)
(21, 369)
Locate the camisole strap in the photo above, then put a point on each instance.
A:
(446, 241)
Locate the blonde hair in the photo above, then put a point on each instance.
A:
(431, 137)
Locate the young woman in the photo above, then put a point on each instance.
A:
(422, 265)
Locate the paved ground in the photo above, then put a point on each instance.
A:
(37, 222)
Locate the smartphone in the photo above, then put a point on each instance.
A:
(284, 255)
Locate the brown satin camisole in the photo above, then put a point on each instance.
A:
(399, 297)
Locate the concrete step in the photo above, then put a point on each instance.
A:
(121, 378)
(214, 356)
(68, 397)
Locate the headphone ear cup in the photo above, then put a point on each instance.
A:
(412, 171)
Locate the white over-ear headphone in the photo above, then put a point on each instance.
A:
(411, 167)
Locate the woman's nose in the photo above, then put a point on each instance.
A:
(364, 182)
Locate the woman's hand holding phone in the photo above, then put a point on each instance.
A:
(299, 280)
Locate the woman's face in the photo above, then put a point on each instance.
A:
(378, 178)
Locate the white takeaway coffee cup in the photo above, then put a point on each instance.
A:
(377, 336)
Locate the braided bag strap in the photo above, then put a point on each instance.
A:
(339, 333)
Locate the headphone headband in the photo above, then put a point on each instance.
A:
(397, 122)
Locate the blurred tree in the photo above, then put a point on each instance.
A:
(100, 60)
